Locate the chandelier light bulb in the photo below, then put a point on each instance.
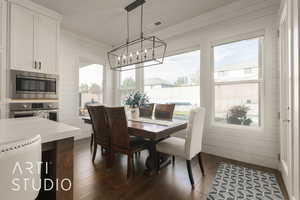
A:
(145, 53)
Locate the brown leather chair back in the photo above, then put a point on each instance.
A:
(164, 111)
(118, 128)
(146, 110)
(99, 124)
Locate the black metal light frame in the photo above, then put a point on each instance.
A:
(142, 61)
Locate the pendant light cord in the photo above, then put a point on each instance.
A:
(142, 13)
(127, 27)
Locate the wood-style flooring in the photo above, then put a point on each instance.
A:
(95, 182)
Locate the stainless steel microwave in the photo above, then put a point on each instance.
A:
(31, 85)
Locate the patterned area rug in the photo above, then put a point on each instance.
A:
(233, 182)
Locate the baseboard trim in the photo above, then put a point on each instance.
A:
(258, 160)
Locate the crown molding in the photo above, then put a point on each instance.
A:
(37, 8)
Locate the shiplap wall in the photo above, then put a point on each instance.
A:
(259, 147)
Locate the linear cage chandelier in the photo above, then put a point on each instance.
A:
(142, 52)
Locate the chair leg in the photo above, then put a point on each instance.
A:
(95, 151)
(189, 168)
(201, 163)
(102, 151)
(92, 141)
(157, 162)
(129, 165)
(173, 160)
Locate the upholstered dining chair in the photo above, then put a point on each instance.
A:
(19, 161)
(188, 147)
(121, 142)
(164, 111)
(101, 134)
(146, 110)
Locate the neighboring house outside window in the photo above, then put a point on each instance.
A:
(176, 81)
(237, 98)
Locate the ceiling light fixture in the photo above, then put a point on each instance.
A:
(142, 52)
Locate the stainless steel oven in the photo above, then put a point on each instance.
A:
(31, 85)
(43, 110)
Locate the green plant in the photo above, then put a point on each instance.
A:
(136, 99)
(238, 115)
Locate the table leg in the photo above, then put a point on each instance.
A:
(152, 159)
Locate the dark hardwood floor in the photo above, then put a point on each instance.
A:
(95, 182)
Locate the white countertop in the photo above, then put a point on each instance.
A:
(15, 129)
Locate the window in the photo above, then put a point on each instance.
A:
(248, 70)
(127, 83)
(90, 87)
(237, 94)
(222, 73)
(176, 81)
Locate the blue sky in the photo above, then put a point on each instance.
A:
(242, 52)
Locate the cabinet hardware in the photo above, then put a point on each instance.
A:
(34, 65)
(286, 120)
(40, 65)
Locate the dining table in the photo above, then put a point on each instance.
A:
(154, 130)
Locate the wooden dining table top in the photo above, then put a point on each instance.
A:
(153, 131)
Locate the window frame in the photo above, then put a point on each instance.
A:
(260, 81)
(136, 76)
(141, 82)
(85, 64)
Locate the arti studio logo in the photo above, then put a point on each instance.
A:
(27, 176)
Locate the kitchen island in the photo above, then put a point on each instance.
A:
(57, 150)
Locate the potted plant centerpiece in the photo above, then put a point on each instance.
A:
(134, 100)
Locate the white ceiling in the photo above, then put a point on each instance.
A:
(105, 20)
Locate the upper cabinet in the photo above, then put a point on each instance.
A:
(22, 36)
(47, 44)
(34, 38)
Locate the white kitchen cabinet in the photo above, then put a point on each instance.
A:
(22, 29)
(33, 38)
(47, 44)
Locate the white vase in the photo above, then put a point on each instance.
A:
(135, 113)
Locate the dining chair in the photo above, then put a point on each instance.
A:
(164, 111)
(146, 110)
(190, 146)
(121, 142)
(101, 134)
(20, 169)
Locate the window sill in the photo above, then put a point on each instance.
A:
(221, 126)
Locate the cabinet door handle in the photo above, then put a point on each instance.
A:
(35, 65)
(40, 65)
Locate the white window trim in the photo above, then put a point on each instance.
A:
(213, 124)
(119, 89)
(83, 63)
(174, 53)
(139, 73)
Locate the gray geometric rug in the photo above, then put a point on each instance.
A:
(233, 182)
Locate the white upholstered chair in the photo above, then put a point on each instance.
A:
(190, 146)
(20, 169)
